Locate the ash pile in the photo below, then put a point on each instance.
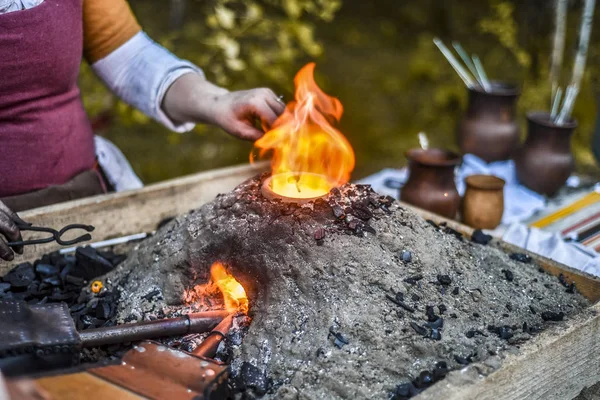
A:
(351, 295)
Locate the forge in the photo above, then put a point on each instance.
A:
(350, 295)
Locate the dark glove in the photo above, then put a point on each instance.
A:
(9, 232)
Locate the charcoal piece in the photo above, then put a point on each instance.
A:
(75, 308)
(480, 238)
(508, 275)
(150, 295)
(90, 264)
(438, 323)
(453, 315)
(430, 314)
(504, 332)
(319, 234)
(455, 291)
(552, 316)
(421, 330)
(368, 228)
(400, 314)
(406, 256)
(509, 307)
(444, 280)
(463, 360)
(520, 257)
(430, 222)
(362, 212)
(74, 280)
(415, 297)
(103, 310)
(399, 296)
(46, 270)
(353, 225)
(405, 391)
(532, 309)
(424, 380)
(453, 232)
(339, 339)
(63, 296)
(115, 259)
(436, 334)
(470, 333)
(442, 308)
(440, 371)
(4, 286)
(400, 303)
(571, 288)
(413, 279)
(53, 280)
(20, 276)
(338, 212)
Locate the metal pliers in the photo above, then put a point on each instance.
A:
(55, 235)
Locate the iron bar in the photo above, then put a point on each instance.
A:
(208, 348)
(192, 323)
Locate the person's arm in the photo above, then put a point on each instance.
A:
(172, 91)
(192, 98)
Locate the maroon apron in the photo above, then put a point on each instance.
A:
(45, 136)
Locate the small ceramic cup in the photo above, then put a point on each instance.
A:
(483, 202)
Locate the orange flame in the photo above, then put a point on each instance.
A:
(234, 294)
(310, 156)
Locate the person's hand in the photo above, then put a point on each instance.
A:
(238, 112)
(9, 232)
(191, 98)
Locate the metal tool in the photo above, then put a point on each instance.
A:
(55, 235)
(208, 347)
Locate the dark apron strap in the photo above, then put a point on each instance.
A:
(86, 184)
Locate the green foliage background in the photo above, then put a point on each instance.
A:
(376, 56)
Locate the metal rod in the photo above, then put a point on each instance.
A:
(192, 323)
(464, 75)
(481, 72)
(109, 242)
(560, 28)
(467, 60)
(556, 103)
(208, 348)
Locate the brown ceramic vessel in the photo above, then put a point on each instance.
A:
(430, 183)
(545, 162)
(489, 129)
(483, 202)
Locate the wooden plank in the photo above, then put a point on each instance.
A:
(83, 386)
(588, 285)
(556, 365)
(125, 213)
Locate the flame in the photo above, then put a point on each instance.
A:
(234, 294)
(310, 156)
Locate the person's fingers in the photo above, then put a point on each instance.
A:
(266, 115)
(10, 230)
(5, 252)
(13, 215)
(246, 131)
(277, 106)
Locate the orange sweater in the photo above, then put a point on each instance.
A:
(107, 24)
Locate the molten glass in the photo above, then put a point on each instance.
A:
(309, 156)
(234, 294)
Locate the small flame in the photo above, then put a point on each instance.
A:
(423, 141)
(234, 294)
(310, 156)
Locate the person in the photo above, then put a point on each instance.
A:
(48, 153)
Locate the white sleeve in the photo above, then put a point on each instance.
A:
(140, 72)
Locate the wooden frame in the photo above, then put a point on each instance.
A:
(556, 365)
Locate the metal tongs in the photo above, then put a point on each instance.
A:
(55, 235)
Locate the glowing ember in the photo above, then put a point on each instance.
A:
(309, 156)
(234, 294)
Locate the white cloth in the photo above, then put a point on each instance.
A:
(520, 203)
(552, 246)
(7, 6)
(117, 169)
(140, 72)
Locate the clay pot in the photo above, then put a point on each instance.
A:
(489, 129)
(430, 183)
(483, 202)
(545, 162)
